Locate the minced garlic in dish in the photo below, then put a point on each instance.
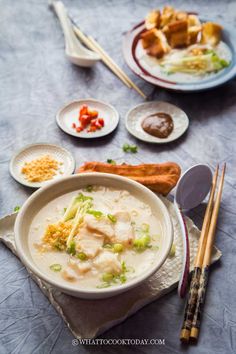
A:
(41, 169)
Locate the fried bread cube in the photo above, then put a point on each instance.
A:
(178, 33)
(193, 34)
(168, 15)
(153, 19)
(211, 33)
(193, 20)
(155, 42)
(148, 38)
(181, 15)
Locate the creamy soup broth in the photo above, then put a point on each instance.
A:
(131, 214)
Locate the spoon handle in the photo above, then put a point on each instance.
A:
(65, 23)
(186, 255)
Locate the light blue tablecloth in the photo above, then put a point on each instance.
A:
(36, 80)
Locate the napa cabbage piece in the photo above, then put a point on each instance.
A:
(205, 63)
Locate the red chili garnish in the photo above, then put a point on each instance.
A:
(88, 118)
(93, 114)
(97, 125)
(83, 110)
(91, 129)
(101, 121)
(93, 121)
(85, 120)
(79, 129)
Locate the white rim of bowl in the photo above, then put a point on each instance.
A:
(116, 114)
(39, 184)
(153, 142)
(112, 290)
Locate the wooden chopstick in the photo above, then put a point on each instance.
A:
(130, 82)
(194, 285)
(93, 45)
(102, 52)
(206, 262)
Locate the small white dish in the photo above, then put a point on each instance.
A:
(137, 114)
(72, 183)
(34, 151)
(68, 115)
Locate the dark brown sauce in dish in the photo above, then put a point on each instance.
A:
(158, 124)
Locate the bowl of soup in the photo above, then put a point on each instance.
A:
(93, 235)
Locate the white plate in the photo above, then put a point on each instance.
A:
(34, 151)
(136, 115)
(69, 115)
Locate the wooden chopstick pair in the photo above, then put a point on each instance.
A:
(197, 291)
(95, 46)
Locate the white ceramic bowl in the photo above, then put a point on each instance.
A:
(69, 184)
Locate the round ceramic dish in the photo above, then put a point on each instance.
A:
(136, 115)
(69, 184)
(34, 151)
(131, 48)
(69, 115)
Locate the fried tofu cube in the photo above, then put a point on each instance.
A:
(155, 42)
(178, 33)
(168, 14)
(211, 33)
(148, 38)
(181, 15)
(193, 20)
(193, 34)
(153, 20)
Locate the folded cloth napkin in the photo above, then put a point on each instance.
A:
(89, 318)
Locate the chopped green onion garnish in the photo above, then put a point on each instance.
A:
(130, 148)
(55, 267)
(123, 278)
(83, 198)
(142, 243)
(71, 249)
(82, 256)
(112, 218)
(107, 277)
(112, 162)
(17, 208)
(123, 266)
(107, 245)
(145, 228)
(172, 250)
(89, 188)
(96, 213)
(118, 247)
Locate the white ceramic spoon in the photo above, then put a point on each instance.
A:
(76, 53)
(192, 188)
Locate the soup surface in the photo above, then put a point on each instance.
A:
(95, 237)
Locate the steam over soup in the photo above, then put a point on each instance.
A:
(94, 238)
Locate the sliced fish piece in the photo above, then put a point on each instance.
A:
(88, 242)
(101, 225)
(124, 232)
(68, 274)
(80, 267)
(108, 262)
